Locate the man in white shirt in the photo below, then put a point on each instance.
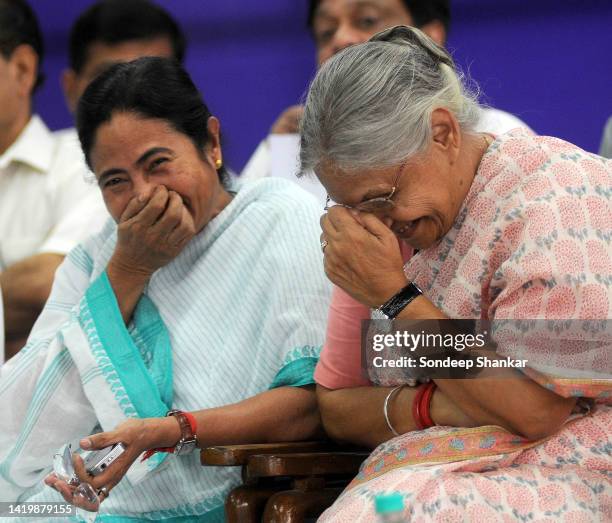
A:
(335, 25)
(108, 32)
(40, 181)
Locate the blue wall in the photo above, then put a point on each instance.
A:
(549, 62)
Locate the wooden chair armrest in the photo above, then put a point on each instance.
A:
(305, 464)
(231, 455)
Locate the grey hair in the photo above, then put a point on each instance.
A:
(371, 104)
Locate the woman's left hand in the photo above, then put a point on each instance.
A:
(362, 255)
(137, 435)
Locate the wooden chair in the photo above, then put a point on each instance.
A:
(285, 482)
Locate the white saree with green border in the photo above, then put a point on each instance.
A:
(241, 310)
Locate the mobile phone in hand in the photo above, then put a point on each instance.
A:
(98, 461)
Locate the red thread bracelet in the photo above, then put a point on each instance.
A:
(193, 426)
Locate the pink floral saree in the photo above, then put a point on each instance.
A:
(533, 241)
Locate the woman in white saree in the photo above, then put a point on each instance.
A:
(198, 297)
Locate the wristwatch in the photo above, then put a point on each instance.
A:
(397, 303)
(188, 441)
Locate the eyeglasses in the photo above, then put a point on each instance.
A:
(373, 205)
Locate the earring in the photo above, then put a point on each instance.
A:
(218, 164)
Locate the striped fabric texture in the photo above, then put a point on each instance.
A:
(243, 309)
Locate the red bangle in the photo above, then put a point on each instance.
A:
(424, 409)
(416, 407)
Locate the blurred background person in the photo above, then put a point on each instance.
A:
(41, 178)
(335, 25)
(114, 31)
(108, 32)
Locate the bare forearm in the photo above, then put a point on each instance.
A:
(278, 415)
(356, 415)
(283, 414)
(25, 288)
(515, 403)
(519, 405)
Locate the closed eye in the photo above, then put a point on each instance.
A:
(109, 182)
(157, 162)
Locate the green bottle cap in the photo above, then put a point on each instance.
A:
(389, 503)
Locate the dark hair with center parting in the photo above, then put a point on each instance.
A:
(151, 87)
(113, 22)
(421, 11)
(19, 26)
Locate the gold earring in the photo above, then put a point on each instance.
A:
(218, 164)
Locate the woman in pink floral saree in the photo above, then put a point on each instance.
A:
(515, 227)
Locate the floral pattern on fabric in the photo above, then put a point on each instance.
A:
(533, 240)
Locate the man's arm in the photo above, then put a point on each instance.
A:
(25, 288)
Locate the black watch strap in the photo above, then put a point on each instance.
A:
(397, 303)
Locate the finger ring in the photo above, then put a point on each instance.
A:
(105, 491)
(323, 244)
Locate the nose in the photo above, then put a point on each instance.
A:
(143, 187)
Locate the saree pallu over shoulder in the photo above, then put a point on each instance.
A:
(140, 376)
(126, 372)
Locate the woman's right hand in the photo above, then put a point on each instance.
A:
(152, 232)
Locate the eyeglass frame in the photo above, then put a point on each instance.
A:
(386, 202)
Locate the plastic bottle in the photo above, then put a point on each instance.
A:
(390, 508)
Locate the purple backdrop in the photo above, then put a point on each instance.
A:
(548, 62)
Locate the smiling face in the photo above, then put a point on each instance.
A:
(132, 155)
(425, 204)
(429, 190)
